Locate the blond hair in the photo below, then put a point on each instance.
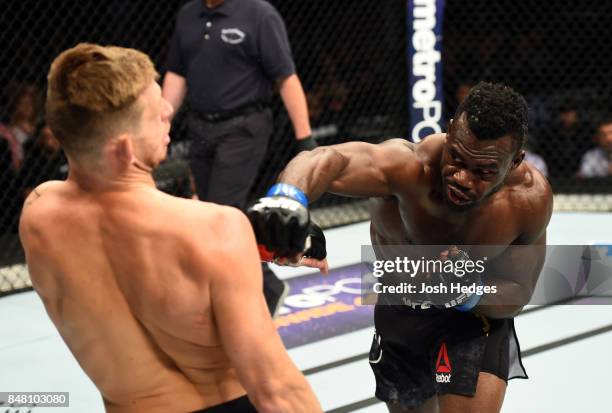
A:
(92, 95)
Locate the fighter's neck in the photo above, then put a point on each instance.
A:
(105, 180)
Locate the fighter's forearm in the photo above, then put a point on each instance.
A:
(499, 311)
(506, 302)
(295, 397)
(314, 171)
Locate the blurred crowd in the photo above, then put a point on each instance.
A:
(573, 144)
(353, 69)
(566, 140)
(29, 152)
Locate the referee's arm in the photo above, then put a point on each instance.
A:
(174, 89)
(292, 93)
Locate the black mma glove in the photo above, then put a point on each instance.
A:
(315, 243)
(305, 144)
(281, 222)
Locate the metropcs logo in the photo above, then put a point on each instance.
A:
(443, 366)
(425, 60)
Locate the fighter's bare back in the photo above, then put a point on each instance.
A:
(123, 277)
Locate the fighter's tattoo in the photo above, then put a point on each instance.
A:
(31, 199)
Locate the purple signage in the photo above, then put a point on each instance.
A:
(320, 307)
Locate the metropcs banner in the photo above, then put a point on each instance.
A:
(425, 18)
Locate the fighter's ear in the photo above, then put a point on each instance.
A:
(518, 159)
(124, 150)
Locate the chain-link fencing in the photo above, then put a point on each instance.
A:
(351, 58)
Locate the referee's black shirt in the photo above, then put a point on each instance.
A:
(230, 55)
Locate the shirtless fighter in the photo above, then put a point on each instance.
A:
(468, 186)
(158, 298)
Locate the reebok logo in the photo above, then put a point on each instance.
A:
(443, 366)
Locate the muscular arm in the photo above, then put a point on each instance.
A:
(354, 169)
(516, 272)
(249, 337)
(32, 225)
(515, 275)
(292, 93)
(174, 89)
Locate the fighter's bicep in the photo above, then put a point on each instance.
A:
(373, 170)
(38, 253)
(361, 176)
(234, 267)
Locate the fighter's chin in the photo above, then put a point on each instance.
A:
(163, 155)
(159, 160)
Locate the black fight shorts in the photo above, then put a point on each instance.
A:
(417, 354)
(240, 405)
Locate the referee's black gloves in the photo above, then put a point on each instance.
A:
(305, 144)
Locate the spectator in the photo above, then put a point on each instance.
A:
(226, 57)
(532, 156)
(8, 171)
(23, 111)
(597, 161)
(328, 99)
(22, 114)
(537, 161)
(12, 151)
(567, 138)
(316, 105)
(44, 161)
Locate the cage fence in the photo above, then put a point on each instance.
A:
(351, 58)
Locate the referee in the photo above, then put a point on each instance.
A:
(227, 57)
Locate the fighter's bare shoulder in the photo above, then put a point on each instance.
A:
(398, 145)
(48, 188)
(39, 207)
(221, 241)
(221, 228)
(401, 160)
(531, 194)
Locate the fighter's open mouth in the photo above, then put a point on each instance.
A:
(456, 196)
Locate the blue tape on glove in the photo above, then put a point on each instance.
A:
(288, 191)
(470, 303)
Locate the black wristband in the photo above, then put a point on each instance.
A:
(305, 144)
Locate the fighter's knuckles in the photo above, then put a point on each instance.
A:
(280, 223)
